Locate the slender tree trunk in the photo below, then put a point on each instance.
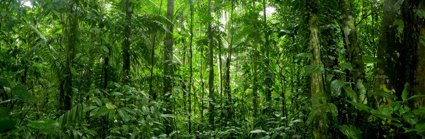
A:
(318, 97)
(419, 81)
(211, 102)
(255, 87)
(190, 67)
(168, 69)
(71, 36)
(153, 94)
(386, 49)
(354, 53)
(127, 40)
(420, 69)
(106, 57)
(227, 88)
(269, 74)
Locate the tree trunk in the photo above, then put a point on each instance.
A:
(354, 53)
(127, 40)
(211, 101)
(269, 74)
(168, 68)
(71, 35)
(153, 94)
(419, 83)
(318, 97)
(227, 88)
(190, 66)
(255, 87)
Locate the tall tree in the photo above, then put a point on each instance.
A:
(71, 37)
(318, 97)
(168, 68)
(420, 67)
(190, 65)
(354, 53)
(227, 88)
(269, 74)
(211, 101)
(154, 43)
(128, 10)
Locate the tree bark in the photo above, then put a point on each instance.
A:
(354, 52)
(227, 87)
(255, 87)
(419, 83)
(168, 69)
(127, 40)
(71, 35)
(318, 97)
(190, 66)
(211, 101)
(269, 74)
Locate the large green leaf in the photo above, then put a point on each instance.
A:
(336, 86)
(360, 106)
(384, 94)
(405, 92)
(310, 69)
(346, 66)
(350, 131)
(420, 13)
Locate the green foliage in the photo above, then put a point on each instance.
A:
(310, 69)
(259, 64)
(350, 131)
(397, 114)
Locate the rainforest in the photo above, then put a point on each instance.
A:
(231, 69)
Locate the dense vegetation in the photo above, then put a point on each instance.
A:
(212, 69)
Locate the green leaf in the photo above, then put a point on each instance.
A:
(124, 116)
(310, 69)
(333, 109)
(420, 126)
(405, 92)
(400, 25)
(419, 112)
(117, 94)
(304, 55)
(168, 116)
(360, 106)
(409, 118)
(361, 87)
(346, 66)
(350, 93)
(398, 4)
(110, 106)
(105, 49)
(257, 131)
(415, 96)
(420, 13)
(383, 94)
(350, 131)
(369, 59)
(336, 86)
(422, 40)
